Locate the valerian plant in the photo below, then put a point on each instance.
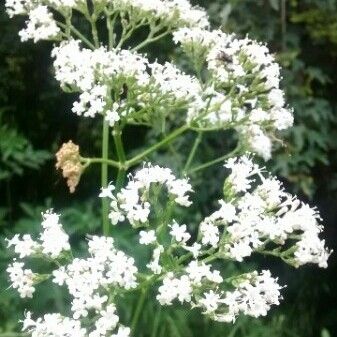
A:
(235, 85)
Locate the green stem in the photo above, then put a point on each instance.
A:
(104, 177)
(110, 20)
(127, 31)
(210, 258)
(215, 161)
(120, 179)
(268, 252)
(117, 134)
(138, 310)
(193, 152)
(89, 161)
(135, 160)
(94, 31)
(78, 34)
(68, 25)
(156, 323)
(150, 40)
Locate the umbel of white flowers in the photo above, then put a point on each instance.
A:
(240, 89)
(235, 86)
(263, 219)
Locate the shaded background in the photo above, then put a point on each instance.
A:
(35, 120)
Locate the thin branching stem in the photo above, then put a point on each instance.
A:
(138, 310)
(150, 39)
(78, 34)
(105, 177)
(138, 158)
(215, 161)
(117, 135)
(194, 149)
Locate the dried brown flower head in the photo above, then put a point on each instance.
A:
(69, 161)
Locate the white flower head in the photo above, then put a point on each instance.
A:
(40, 25)
(147, 237)
(179, 233)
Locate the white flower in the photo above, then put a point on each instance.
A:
(112, 116)
(65, 3)
(60, 276)
(179, 233)
(174, 13)
(283, 118)
(196, 37)
(199, 271)
(122, 332)
(258, 141)
(147, 237)
(242, 169)
(22, 279)
(40, 25)
(209, 233)
(17, 7)
(174, 288)
(107, 321)
(239, 250)
(210, 302)
(85, 278)
(276, 98)
(25, 247)
(253, 296)
(132, 202)
(310, 249)
(107, 191)
(179, 188)
(194, 249)
(101, 247)
(68, 71)
(91, 102)
(52, 323)
(154, 265)
(53, 239)
(173, 81)
(226, 213)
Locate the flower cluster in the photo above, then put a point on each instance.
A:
(241, 91)
(50, 323)
(52, 243)
(253, 296)
(182, 288)
(47, 326)
(244, 82)
(87, 278)
(102, 71)
(173, 13)
(256, 215)
(89, 281)
(22, 279)
(202, 288)
(263, 218)
(133, 201)
(40, 24)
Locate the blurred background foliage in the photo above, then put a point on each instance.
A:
(35, 120)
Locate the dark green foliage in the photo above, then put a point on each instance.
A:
(17, 153)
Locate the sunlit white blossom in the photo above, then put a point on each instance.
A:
(40, 25)
(22, 279)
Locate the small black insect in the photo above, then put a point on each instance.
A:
(224, 57)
